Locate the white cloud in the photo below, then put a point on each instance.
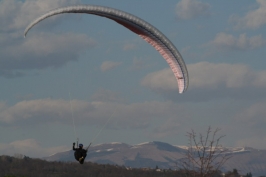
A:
(189, 9)
(108, 65)
(16, 14)
(253, 115)
(213, 77)
(48, 110)
(222, 74)
(42, 51)
(36, 51)
(29, 147)
(140, 63)
(162, 80)
(225, 41)
(254, 19)
(141, 115)
(129, 46)
(42, 110)
(136, 115)
(106, 96)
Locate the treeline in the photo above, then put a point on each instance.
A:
(28, 167)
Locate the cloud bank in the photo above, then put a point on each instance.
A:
(219, 80)
(253, 19)
(37, 51)
(30, 148)
(136, 115)
(15, 15)
(224, 41)
(190, 9)
(109, 65)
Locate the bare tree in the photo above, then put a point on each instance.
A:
(205, 155)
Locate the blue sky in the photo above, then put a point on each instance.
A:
(110, 73)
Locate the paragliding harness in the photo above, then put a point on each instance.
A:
(80, 153)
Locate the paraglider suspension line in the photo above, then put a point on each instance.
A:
(102, 128)
(73, 120)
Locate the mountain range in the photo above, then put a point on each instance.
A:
(164, 155)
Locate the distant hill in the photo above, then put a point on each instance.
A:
(164, 155)
(149, 154)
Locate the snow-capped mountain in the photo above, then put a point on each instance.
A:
(164, 155)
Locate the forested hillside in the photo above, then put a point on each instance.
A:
(27, 167)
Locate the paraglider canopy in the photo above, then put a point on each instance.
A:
(145, 30)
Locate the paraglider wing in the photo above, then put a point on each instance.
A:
(145, 30)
